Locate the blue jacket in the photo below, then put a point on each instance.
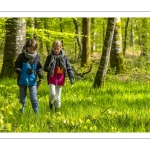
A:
(28, 71)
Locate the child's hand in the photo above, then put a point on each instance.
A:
(18, 70)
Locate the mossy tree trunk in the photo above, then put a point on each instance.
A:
(104, 29)
(14, 41)
(116, 56)
(144, 38)
(102, 69)
(86, 25)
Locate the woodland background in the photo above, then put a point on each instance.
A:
(83, 41)
(110, 57)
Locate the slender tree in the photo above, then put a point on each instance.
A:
(102, 69)
(61, 30)
(35, 27)
(125, 37)
(14, 41)
(85, 59)
(93, 35)
(132, 35)
(138, 27)
(78, 37)
(144, 38)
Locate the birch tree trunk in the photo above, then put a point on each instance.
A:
(103, 66)
(14, 42)
(116, 56)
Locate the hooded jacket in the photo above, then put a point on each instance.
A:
(52, 63)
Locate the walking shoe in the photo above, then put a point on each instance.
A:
(56, 109)
(50, 105)
(36, 110)
(21, 110)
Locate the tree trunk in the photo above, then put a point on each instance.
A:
(116, 56)
(102, 69)
(104, 30)
(36, 27)
(93, 33)
(14, 42)
(125, 36)
(144, 38)
(85, 59)
(78, 38)
(132, 36)
(138, 28)
(61, 30)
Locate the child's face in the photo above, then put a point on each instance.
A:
(31, 50)
(56, 50)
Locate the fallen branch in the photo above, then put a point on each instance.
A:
(82, 74)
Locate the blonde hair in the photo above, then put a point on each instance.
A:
(56, 43)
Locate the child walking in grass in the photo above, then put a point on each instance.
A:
(28, 67)
(57, 67)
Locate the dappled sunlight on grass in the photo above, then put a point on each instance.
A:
(118, 107)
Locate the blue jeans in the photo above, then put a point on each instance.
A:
(33, 96)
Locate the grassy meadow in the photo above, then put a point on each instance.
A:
(123, 105)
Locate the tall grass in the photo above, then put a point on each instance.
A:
(121, 106)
